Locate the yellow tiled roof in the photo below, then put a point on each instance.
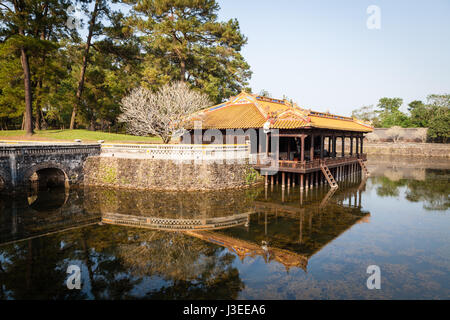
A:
(250, 111)
(348, 125)
(232, 117)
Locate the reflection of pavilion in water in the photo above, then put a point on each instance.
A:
(282, 225)
(291, 228)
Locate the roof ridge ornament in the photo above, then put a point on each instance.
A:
(363, 123)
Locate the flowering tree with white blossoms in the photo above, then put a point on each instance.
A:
(160, 113)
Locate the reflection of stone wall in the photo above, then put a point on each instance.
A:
(398, 168)
(172, 205)
(407, 162)
(164, 174)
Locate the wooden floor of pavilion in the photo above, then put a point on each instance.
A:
(308, 174)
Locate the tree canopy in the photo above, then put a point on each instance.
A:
(58, 73)
(183, 40)
(434, 115)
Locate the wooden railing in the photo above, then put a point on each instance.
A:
(264, 160)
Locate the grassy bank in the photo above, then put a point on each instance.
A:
(70, 135)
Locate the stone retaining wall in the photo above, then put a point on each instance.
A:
(411, 149)
(166, 174)
(404, 134)
(408, 149)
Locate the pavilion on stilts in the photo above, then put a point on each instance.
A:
(307, 151)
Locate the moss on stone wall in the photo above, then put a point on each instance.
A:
(167, 174)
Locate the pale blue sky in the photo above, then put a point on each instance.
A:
(322, 55)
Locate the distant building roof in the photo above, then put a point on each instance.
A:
(246, 111)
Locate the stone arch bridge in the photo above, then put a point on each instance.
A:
(52, 163)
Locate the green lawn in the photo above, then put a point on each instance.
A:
(84, 135)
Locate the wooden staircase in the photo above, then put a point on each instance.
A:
(326, 171)
(364, 168)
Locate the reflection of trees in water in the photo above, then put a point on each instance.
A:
(433, 190)
(387, 187)
(114, 263)
(35, 269)
(191, 267)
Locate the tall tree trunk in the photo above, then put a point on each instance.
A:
(39, 84)
(183, 71)
(28, 94)
(38, 107)
(28, 114)
(84, 65)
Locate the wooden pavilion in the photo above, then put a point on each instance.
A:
(307, 151)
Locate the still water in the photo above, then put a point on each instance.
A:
(245, 244)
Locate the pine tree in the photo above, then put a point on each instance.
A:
(184, 41)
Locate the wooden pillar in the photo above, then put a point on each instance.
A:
(283, 180)
(288, 149)
(301, 181)
(343, 146)
(321, 145)
(334, 146)
(351, 145)
(260, 146)
(289, 179)
(266, 178)
(330, 146)
(311, 149)
(357, 145)
(307, 181)
(302, 146)
(362, 139)
(271, 179)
